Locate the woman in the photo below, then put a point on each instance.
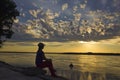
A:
(42, 62)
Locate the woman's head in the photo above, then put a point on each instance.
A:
(41, 45)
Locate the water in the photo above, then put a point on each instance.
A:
(83, 64)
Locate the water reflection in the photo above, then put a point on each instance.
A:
(87, 62)
(86, 67)
(77, 75)
(103, 64)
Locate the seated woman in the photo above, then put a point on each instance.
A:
(42, 62)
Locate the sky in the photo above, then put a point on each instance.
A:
(66, 26)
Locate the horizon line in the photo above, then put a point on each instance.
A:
(82, 53)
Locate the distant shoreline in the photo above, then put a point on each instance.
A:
(70, 53)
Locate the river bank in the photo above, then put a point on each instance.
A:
(9, 72)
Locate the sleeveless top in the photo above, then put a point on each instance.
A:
(39, 57)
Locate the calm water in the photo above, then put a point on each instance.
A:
(84, 63)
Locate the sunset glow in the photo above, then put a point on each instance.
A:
(66, 26)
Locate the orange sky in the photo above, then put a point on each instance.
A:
(111, 45)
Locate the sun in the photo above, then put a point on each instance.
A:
(82, 42)
(85, 42)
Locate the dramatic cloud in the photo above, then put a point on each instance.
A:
(64, 6)
(67, 20)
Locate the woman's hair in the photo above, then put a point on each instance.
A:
(41, 45)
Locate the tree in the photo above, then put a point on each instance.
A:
(8, 14)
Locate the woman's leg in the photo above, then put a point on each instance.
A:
(51, 68)
(49, 65)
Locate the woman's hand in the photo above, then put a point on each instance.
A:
(48, 59)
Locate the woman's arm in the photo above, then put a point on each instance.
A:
(43, 56)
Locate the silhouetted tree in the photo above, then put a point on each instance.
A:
(8, 13)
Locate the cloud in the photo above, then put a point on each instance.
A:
(82, 6)
(68, 21)
(10, 43)
(64, 6)
(34, 12)
(115, 40)
(63, 32)
(104, 1)
(25, 44)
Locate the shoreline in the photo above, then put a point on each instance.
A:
(70, 53)
(10, 72)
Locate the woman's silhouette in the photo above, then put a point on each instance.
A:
(42, 62)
